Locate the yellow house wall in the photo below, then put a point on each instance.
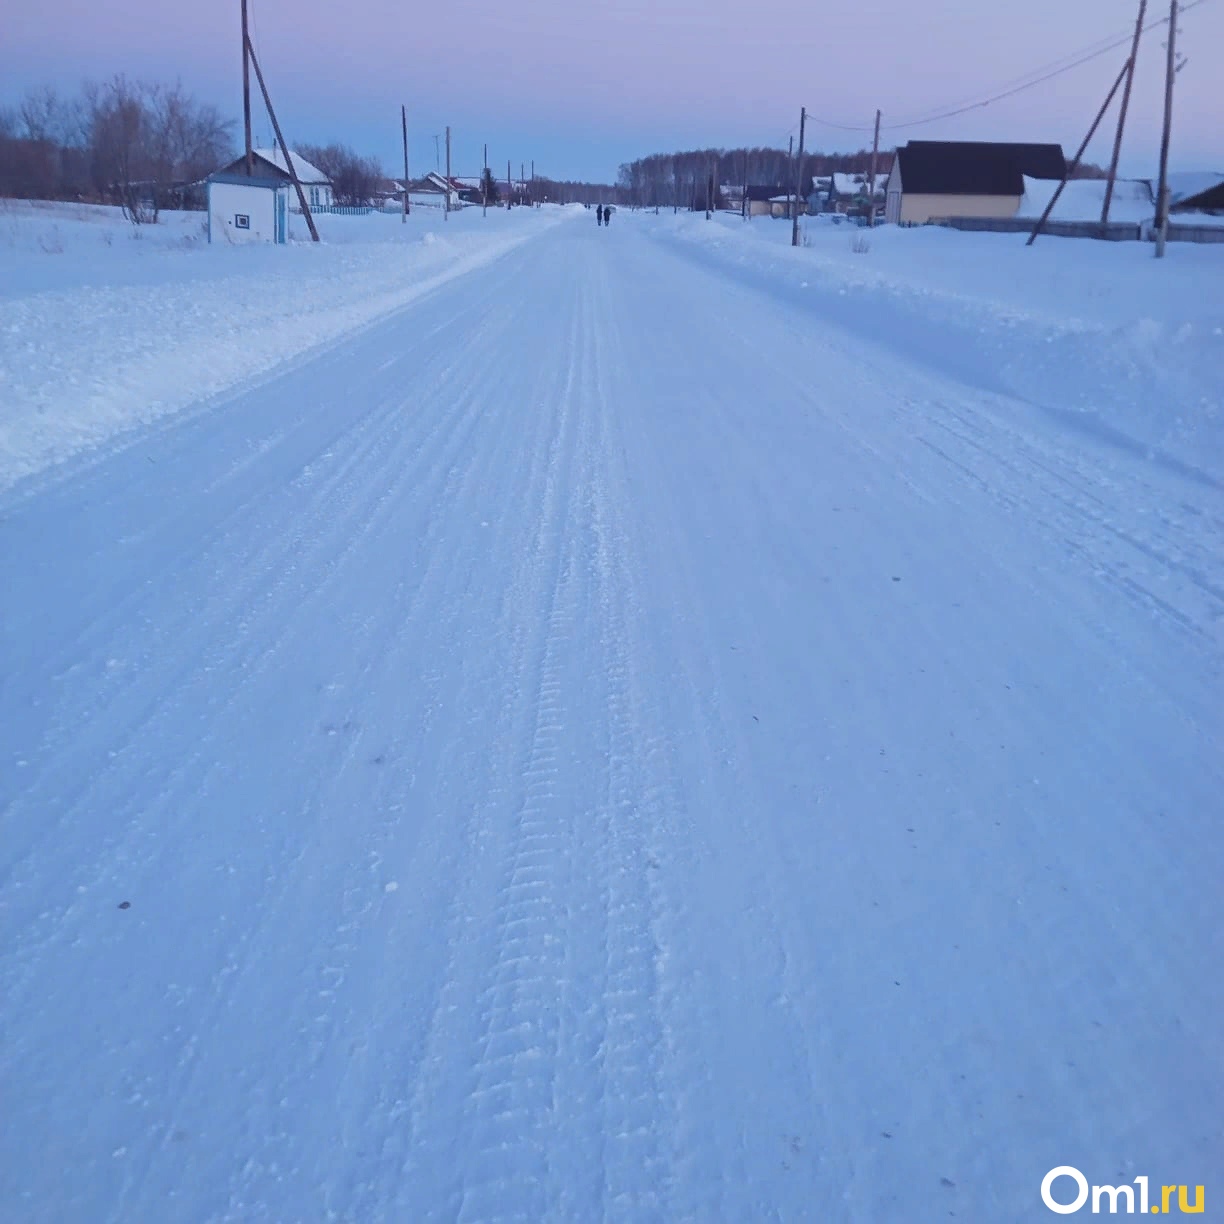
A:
(920, 208)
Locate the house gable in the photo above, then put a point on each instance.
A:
(270, 163)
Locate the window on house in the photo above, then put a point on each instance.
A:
(242, 220)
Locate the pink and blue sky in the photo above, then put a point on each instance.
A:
(582, 87)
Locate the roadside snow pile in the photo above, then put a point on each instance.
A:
(104, 326)
(1101, 335)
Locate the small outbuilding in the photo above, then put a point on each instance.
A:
(242, 209)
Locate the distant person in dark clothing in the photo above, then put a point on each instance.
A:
(608, 215)
(599, 215)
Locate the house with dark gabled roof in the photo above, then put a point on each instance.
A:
(768, 202)
(932, 179)
(1197, 193)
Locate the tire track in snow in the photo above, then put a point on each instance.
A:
(423, 1107)
(362, 518)
(265, 558)
(381, 636)
(637, 1107)
(506, 1118)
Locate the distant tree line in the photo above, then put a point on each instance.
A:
(567, 191)
(132, 143)
(141, 145)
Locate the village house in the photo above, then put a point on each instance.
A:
(768, 202)
(270, 164)
(933, 179)
(1196, 192)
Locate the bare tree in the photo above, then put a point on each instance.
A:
(187, 140)
(120, 146)
(355, 180)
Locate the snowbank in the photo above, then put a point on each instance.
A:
(1103, 336)
(104, 326)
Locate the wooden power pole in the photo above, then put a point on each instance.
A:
(448, 173)
(1162, 198)
(246, 92)
(790, 161)
(798, 176)
(484, 184)
(404, 120)
(1075, 161)
(509, 188)
(280, 139)
(1126, 93)
(875, 153)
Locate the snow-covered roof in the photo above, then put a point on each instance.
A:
(855, 184)
(1082, 200)
(305, 171)
(1189, 183)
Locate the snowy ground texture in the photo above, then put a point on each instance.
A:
(658, 726)
(104, 325)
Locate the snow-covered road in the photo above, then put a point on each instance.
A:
(608, 743)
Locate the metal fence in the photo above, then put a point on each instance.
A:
(1196, 233)
(1114, 231)
(338, 210)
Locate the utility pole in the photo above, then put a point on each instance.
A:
(1162, 199)
(509, 188)
(404, 120)
(798, 173)
(790, 159)
(875, 153)
(448, 173)
(744, 197)
(246, 91)
(484, 184)
(533, 195)
(1126, 93)
(1075, 161)
(293, 174)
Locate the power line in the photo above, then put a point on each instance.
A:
(1046, 74)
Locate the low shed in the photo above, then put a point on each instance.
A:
(242, 209)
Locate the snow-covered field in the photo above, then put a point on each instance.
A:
(650, 726)
(104, 325)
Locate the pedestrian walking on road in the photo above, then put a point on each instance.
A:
(599, 215)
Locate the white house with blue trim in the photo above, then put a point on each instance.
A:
(256, 208)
